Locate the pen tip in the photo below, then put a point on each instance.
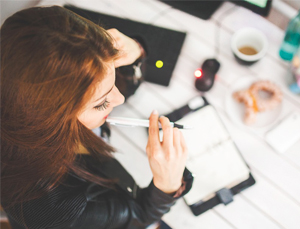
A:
(187, 127)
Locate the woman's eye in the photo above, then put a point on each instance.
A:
(102, 106)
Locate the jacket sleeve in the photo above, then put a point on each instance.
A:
(84, 205)
(107, 208)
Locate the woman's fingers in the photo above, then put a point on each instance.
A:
(183, 143)
(153, 129)
(176, 139)
(167, 132)
(114, 33)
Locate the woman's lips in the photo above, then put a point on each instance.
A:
(106, 117)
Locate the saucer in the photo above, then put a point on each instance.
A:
(236, 110)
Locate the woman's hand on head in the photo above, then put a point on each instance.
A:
(129, 49)
(167, 159)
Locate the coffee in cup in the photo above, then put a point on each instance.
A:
(249, 45)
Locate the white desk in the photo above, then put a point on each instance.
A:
(274, 201)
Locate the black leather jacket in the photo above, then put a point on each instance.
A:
(83, 205)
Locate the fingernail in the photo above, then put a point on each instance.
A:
(155, 112)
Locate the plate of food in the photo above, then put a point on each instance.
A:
(254, 102)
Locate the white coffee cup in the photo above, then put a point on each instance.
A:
(249, 45)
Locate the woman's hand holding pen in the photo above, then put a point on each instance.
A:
(129, 49)
(167, 158)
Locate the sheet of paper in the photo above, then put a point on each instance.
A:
(213, 157)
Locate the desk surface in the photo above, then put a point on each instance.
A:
(274, 201)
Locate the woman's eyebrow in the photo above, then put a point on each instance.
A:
(104, 94)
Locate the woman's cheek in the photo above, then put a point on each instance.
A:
(96, 120)
(91, 119)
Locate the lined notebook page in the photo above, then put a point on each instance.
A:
(213, 157)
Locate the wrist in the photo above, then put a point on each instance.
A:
(170, 189)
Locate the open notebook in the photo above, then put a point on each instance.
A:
(213, 159)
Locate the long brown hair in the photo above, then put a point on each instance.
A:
(51, 59)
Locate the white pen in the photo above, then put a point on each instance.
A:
(132, 122)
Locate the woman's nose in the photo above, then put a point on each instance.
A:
(118, 97)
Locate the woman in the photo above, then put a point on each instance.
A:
(58, 83)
